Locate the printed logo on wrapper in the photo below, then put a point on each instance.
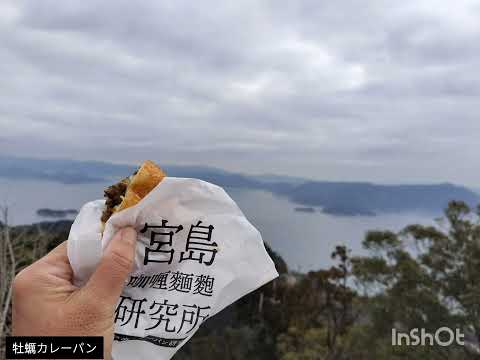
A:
(196, 254)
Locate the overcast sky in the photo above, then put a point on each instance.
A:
(386, 91)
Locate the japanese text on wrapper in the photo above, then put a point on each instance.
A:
(159, 313)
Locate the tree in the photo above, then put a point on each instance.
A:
(424, 277)
(320, 313)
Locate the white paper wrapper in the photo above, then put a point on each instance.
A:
(163, 304)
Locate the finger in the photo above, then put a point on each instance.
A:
(57, 261)
(57, 255)
(107, 282)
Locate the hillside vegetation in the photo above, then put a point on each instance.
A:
(421, 277)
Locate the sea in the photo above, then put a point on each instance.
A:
(304, 239)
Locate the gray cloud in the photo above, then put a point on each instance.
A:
(332, 90)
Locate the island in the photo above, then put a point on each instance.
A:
(306, 209)
(346, 211)
(56, 213)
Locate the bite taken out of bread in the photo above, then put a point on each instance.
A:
(130, 190)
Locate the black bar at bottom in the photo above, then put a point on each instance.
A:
(54, 347)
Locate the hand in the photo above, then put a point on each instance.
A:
(45, 302)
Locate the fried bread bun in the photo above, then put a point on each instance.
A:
(130, 190)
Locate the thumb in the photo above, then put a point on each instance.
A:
(108, 280)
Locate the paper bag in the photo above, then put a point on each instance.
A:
(196, 254)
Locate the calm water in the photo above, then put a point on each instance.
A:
(304, 240)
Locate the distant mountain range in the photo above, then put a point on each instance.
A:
(337, 198)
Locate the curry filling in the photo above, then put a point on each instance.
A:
(114, 195)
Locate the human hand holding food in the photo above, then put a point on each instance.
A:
(46, 303)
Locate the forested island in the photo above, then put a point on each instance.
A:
(335, 197)
(56, 213)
